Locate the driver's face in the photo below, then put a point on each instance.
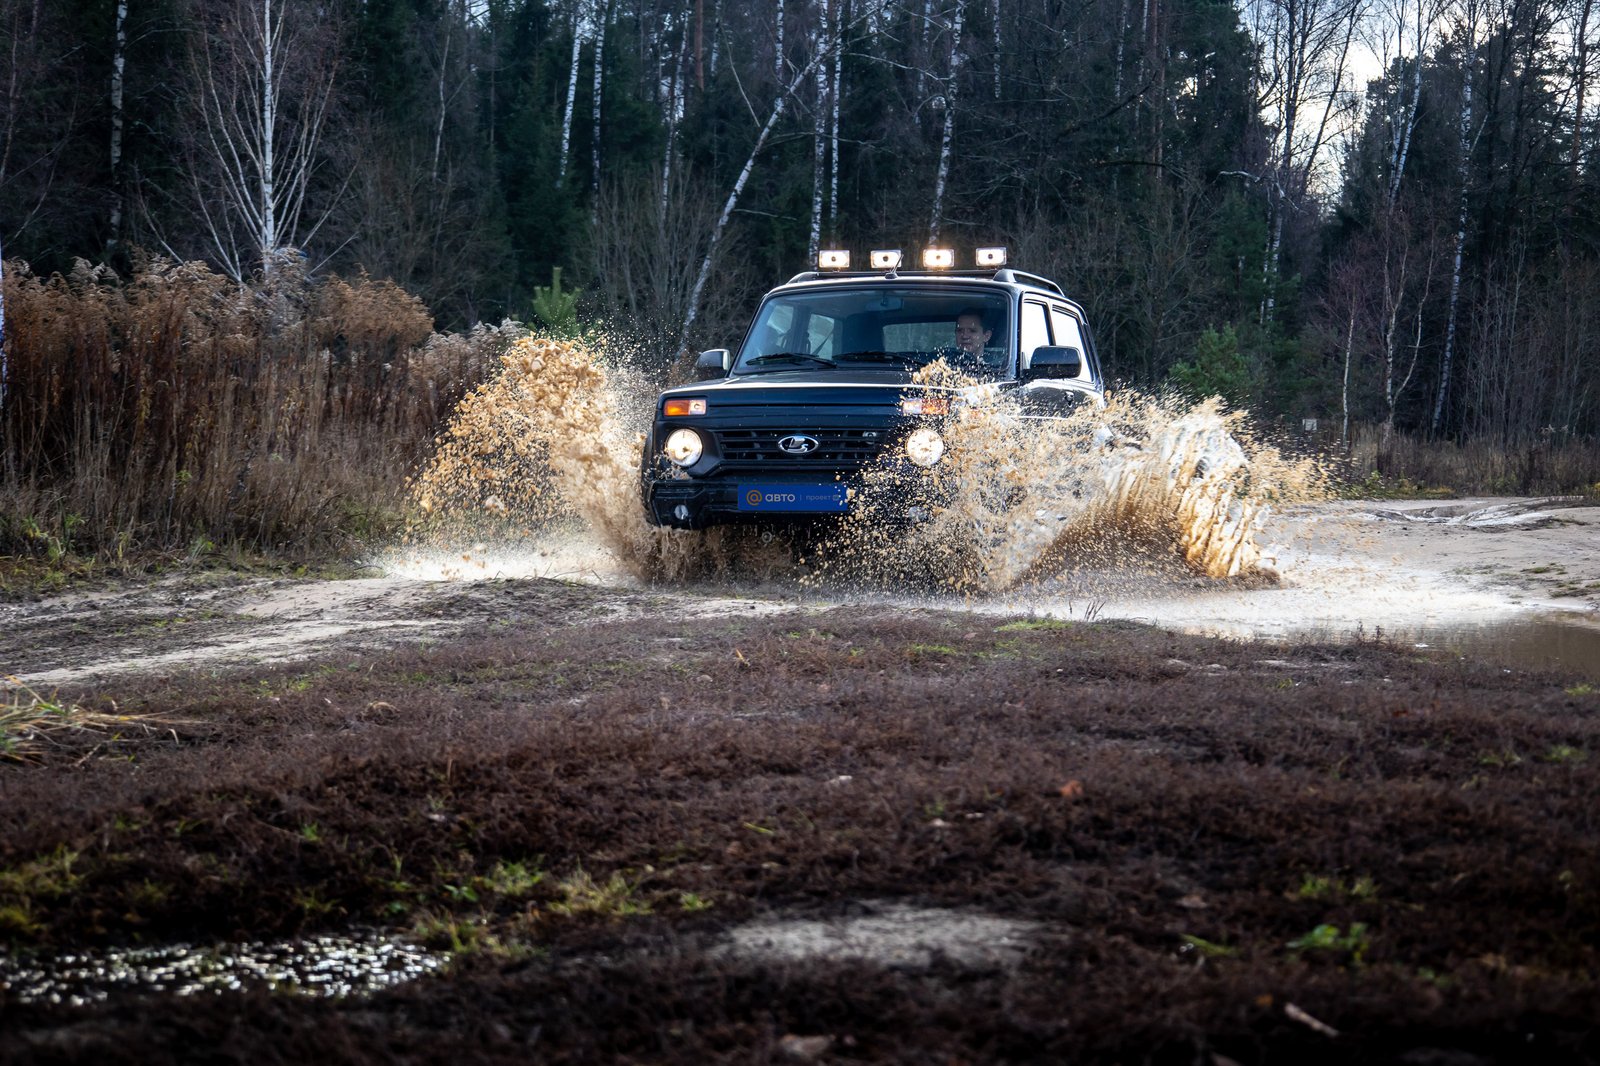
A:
(970, 334)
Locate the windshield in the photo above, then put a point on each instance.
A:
(901, 329)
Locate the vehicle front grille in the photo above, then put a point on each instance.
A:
(839, 449)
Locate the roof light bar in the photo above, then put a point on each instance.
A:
(938, 258)
(886, 258)
(991, 257)
(833, 259)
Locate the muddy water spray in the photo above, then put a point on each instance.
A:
(1014, 502)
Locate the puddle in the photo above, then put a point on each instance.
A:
(898, 936)
(332, 966)
(1529, 642)
(1571, 643)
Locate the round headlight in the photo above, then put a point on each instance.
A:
(924, 446)
(684, 447)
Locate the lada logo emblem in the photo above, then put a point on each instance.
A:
(799, 444)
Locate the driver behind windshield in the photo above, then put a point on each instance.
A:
(971, 336)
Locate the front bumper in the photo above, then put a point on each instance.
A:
(755, 497)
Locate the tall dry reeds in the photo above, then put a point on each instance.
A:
(1547, 464)
(176, 407)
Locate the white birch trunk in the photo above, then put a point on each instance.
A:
(732, 202)
(1580, 90)
(996, 40)
(819, 146)
(572, 93)
(922, 52)
(603, 15)
(1122, 34)
(674, 109)
(949, 130)
(1408, 124)
(777, 47)
(716, 37)
(438, 129)
(1393, 294)
(119, 60)
(269, 115)
(835, 93)
(1344, 392)
(1465, 141)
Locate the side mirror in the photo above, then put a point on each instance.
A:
(713, 364)
(1054, 362)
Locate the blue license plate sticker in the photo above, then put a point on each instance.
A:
(812, 498)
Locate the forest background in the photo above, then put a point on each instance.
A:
(256, 249)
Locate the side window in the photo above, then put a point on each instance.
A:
(1069, 334)
(1035, 329)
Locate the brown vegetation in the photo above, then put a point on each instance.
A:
(1547, 464)
(179, 408)
(1207, 833)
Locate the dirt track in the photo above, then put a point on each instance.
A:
(658, 825)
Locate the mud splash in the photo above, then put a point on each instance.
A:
(556, 438)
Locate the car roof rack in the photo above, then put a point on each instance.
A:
(1022, 277)
(1004, 274)
(987, 273)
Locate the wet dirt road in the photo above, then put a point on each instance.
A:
(1460, 571)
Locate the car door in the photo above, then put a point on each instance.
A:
(1043, 324)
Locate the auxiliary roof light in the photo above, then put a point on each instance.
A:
(833, 259)
(938, 258)
(991, 257)
(886, 258)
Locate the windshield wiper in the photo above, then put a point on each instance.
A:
(789, 357)
(874, 357)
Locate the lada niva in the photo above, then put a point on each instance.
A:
(825, 386)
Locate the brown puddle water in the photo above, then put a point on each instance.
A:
(1540, 642)
(557, 435)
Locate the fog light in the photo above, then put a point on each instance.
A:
(924, 446)
(681, 512)
(684, 447)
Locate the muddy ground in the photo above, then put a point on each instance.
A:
(735, 824)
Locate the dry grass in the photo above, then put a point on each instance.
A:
(31, 724)
(1476, 467)
(176, 409)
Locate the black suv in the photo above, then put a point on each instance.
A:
(822, 389)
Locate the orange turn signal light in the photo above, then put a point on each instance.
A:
(925, 405)
(680, 408)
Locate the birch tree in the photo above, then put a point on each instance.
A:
(602, 16)
(119, 59)
(1466, 140)
(835, 93)
(948, 136)
(264, 74)
(1305, 59)
(819, 143)
(572, 90)
(779, 106)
